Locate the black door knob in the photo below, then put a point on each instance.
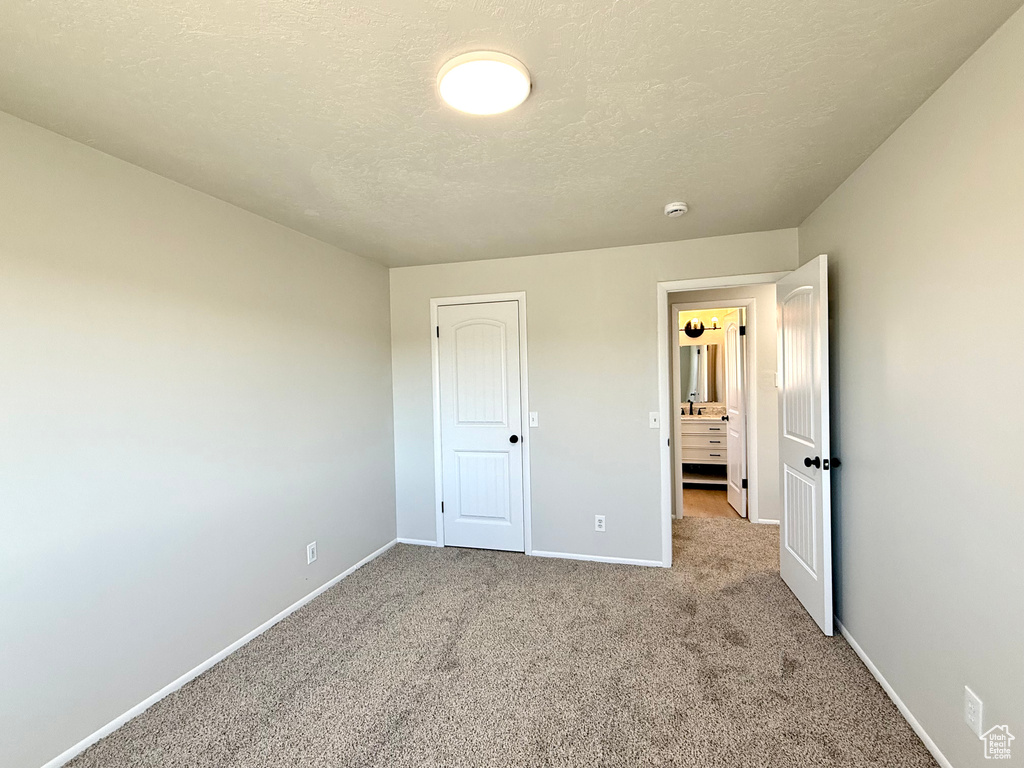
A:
(815, 462)
(514, 439)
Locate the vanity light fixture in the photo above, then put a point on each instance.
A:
(484, 83)
(695, 328)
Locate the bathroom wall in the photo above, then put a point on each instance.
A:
(713, 339)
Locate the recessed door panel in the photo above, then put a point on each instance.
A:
(481, 374)
(482, 482)
(800, 513)
(798, 349)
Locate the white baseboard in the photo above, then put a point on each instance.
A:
(904, 710)
(765, 522)
(141, 707)
(599, 559)
(561, 555)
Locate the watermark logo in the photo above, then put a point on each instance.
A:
(997, 743)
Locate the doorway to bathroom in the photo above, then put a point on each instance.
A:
(710, 394)
(750, 435)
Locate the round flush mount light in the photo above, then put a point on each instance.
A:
(484, 83)
(675, 210)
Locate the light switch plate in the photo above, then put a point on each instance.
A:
(533, 419)
(655, 418)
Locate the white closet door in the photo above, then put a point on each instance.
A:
(481, 425)
(805, 542)
(735, 407)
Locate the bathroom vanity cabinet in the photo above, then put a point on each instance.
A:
(702, 449)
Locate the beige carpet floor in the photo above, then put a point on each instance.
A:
(457, 657)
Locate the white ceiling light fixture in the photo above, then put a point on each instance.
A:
(484, 83)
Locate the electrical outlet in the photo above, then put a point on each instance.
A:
(654, 419)
(599, 523)
(310, 552)
(972, 711)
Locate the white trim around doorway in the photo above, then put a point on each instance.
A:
(517, 296)
(664, 315)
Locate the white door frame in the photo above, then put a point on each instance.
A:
(527, 439)
(664, 316)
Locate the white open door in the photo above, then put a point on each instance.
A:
(805, 537)
(735, 407)
(481, 425)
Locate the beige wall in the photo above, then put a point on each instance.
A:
(766, 453)
(189, 394)
(593, 364)
(925, 239)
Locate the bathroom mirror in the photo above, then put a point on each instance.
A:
(701, 373)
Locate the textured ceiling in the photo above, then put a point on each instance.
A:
(323, 115)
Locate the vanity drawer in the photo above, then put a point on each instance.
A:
(702, 427)
(710, 440)
(702, 455)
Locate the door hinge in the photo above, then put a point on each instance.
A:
(442, 507)
(438, 329)
(744, 483)
(743, 330)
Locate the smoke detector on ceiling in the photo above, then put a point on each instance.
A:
(675, 210)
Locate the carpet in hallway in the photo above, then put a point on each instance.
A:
(457, 657)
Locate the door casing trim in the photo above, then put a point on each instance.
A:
(435, 374)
